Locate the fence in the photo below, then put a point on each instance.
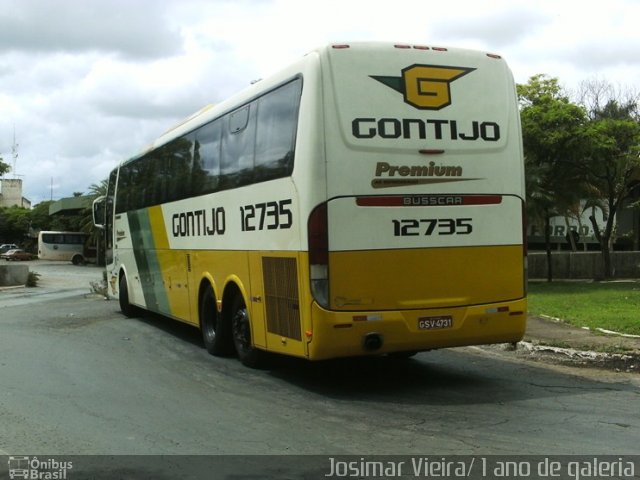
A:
(583, 265)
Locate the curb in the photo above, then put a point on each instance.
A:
(618, 334)
(621, 362)
(12, 287)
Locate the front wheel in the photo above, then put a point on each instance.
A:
(123, 299)
(241, 329)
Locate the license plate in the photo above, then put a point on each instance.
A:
(435, 323)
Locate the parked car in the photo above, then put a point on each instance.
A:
(16, 254)
(5, 247)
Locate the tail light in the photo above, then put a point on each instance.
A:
(318, 235)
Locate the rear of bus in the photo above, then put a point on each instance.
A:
(420, 242)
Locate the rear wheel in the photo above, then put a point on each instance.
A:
(216, 333)
(123, 298)
(241, 328)
(77, 260)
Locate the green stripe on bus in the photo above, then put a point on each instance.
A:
(145, 253)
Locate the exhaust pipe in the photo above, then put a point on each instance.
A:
(372, 342)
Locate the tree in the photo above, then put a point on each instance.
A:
(97, 237)
(15, 222)
(612, 163)
(40, 218)
(95, 190)
(4, 167)
(552, 132)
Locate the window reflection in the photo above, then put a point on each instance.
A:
(277, 122)
(254, 143)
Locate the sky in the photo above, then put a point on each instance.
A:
(86, 84)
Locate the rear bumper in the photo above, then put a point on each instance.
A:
(345, 334)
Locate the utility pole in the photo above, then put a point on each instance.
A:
(14, 153)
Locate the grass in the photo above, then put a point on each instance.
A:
(609, 305)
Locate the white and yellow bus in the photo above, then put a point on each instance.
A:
(366, 200)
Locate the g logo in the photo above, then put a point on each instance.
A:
(427, 87)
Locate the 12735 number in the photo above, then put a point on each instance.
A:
(267, 215)
(411, 227)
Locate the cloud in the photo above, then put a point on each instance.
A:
(600, 54)
(131, 29)
(492, 28)
(88, 83)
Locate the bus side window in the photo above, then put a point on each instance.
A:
(175, 158)
(206, 162)
(276, 132)
(122, 196)
(180, 151)
(162, 180)
(238, 146)
(146, 171)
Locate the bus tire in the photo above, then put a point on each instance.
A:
(123, 299)
(77, 260)
(216, 332)
(241, 327)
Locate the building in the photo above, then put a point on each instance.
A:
(11, 193)
(626, 234)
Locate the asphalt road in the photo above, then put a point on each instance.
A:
(77, 377)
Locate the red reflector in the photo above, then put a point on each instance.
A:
(359, 318)
(482, 199)
(343, 325)
(519, 312)
(421, 47)
(340, 46)
(503, 309)
(440, 49)
(430, 151)
(379, 201)
(493, 55)
(402, 46)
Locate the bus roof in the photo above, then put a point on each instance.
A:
(213, 111)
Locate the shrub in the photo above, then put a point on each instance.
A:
(32, 279)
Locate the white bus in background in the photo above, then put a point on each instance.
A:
(65, 246)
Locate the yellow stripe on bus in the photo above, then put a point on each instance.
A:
(173, 269)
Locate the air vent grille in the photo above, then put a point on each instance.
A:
(281, 296)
